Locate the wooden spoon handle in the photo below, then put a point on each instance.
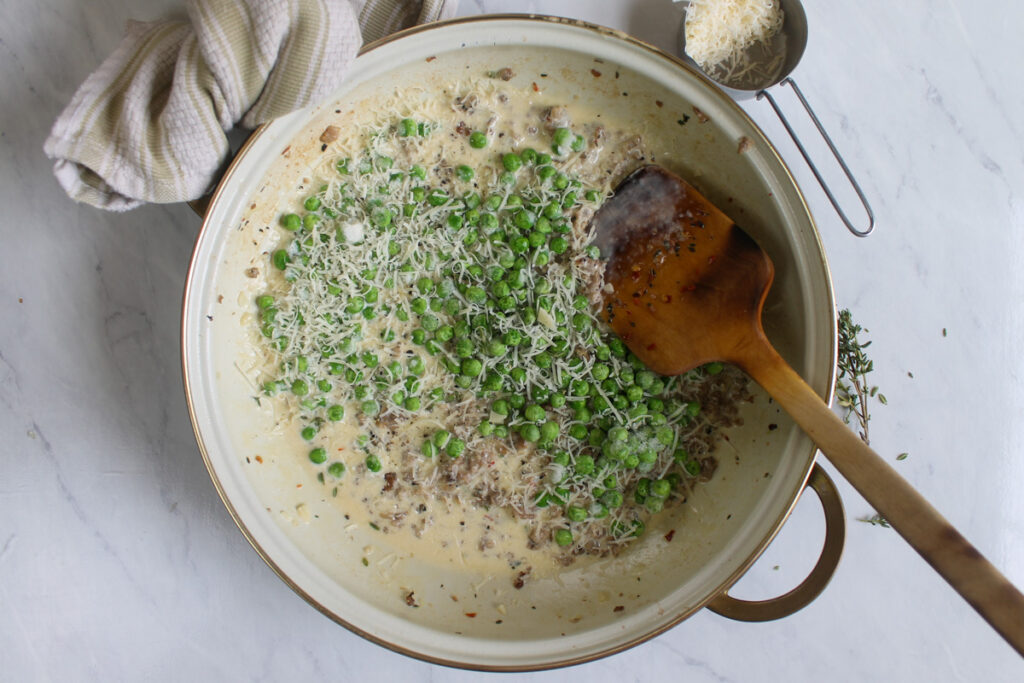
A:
(906, 510)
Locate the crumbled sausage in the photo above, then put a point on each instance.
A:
(556, 117)
(330, 134)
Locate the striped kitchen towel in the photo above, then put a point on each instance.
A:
(149, 125)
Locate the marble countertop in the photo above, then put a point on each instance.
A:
(118, 560)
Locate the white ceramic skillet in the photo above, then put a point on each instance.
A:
(588, 610)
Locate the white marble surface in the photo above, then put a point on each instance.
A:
(119, 562)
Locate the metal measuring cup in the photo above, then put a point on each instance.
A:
(778, 59)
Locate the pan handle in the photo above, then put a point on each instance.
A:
(814, 169)
(801, 596)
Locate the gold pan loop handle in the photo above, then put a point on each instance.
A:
(809, 589)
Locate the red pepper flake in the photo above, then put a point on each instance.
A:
(471, 615)
(670, 535)
(595, 73)
(536, 88)
(298, 486)
(259, 459)
(666, 298)
(619, 608)
(432, 58)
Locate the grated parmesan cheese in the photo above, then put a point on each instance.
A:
(720, 31)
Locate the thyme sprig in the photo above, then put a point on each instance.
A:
(853, 390)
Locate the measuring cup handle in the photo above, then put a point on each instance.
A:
(814, 169)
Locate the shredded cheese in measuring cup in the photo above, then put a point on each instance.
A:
(719, 31)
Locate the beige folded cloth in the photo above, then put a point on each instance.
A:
(149, 125)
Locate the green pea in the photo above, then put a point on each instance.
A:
(530, 433)
(437, 197)
(661, 488)
(464, 347)
(455, 448)
(485, 428)
(291, 222)
(412, 403)
(428, 449)
(318, 456)
(585, 465)
(372, 463)
(613, 499)
(430, 322)
(524, 219)
(562, 137)
(549, 431)
(477, 140)
(563, 537)
(476, 295)
(496, 349)
(280, 259)
(300, 387)
(558, 245)
(464, 173)
(512, 162)
(471, 367)
(407, 128)
(370, 407)
(440, 438)
(534, 413)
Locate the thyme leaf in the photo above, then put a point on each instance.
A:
(875, 520)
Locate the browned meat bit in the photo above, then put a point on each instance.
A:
(486, 543)
(618, 608)
(520, 579)
(701, 116)
(389, 481)
(410, 599)
(467, 103)
(462, 128)
(506, 74)
(598, 136)
(556, 117)
(330, 134)
(253, 272)
(707, 469)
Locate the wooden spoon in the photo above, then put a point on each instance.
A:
(687, 287)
